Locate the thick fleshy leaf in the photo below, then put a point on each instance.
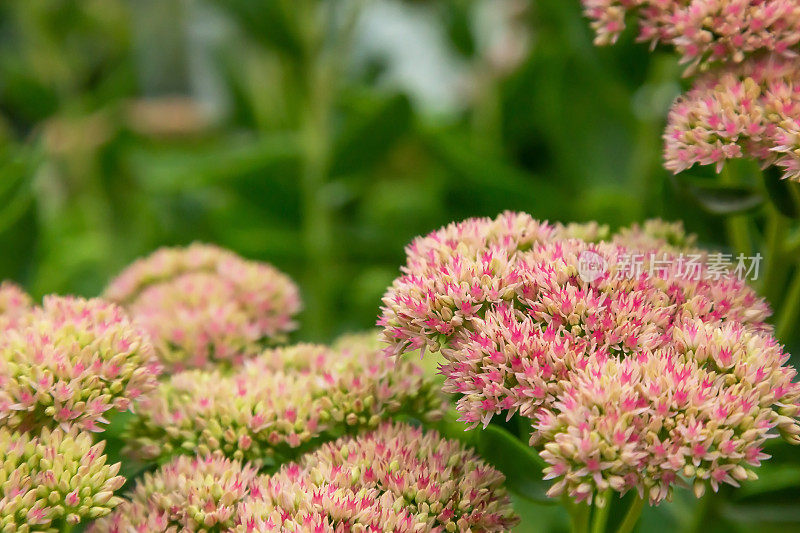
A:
(782, 193)
(719, 198)
(519, 462)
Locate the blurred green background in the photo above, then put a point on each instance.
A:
(322, 136)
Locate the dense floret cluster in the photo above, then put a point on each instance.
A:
(278, 404)
(70, 362)
(632, 380)
(393, 479)
(54, 479)
(186, 494)
(745, 105)
(202, 304)
(703, 31)
(750, 110)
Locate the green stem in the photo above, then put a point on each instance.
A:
(736, 225)
(790, 312)
(317, 218)
(67, 528)
(487, 115)
(774, 267)
(579, 517)
(632, 516)
(704, 509)
(322, 70)
(600, 518)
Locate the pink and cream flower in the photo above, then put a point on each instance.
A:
(276, 405)
(745, 111)
(638, 382)
(55, 478)
(70, 363)
(704, 32)
(204, 305)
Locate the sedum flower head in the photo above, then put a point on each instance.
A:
(396, 478)
(393, 479)
(187, 494)
(55, 478)
(14, 303)
(697, 413)
(656, 235)
(455, 274)
(625, 377)
(202, 304)
(280, 403)
(71, 361)
(749, 110)
(703, 31)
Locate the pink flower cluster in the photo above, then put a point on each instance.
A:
(186, 494)
(14, 303)
(202, 304)
(749, 110)
(393, 479)
(656, 235)
(703, 31)
(71, 361)
(630, 383)
(748, 104)
(278, 404)
(55, 478)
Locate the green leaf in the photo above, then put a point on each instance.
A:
(491, 181)
(782, 193)
(538, 518)
(718, 198)
(450, 427)
(17, 166)
(176, 171)
(772, 481)
(766, 517)
(519, 462)
(458, 23)
(367, 139)
(117, 424)
(274, 23)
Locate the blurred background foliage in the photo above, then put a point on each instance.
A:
(322, 136)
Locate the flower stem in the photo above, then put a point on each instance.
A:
(321, 75)
(774, 268)
(579, 517)
(736, 225)
(790, 312)
(702, 513)
(632, 516)
(600, 517)
(317, 217)
(67, 528)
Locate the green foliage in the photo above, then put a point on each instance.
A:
(505, 451)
